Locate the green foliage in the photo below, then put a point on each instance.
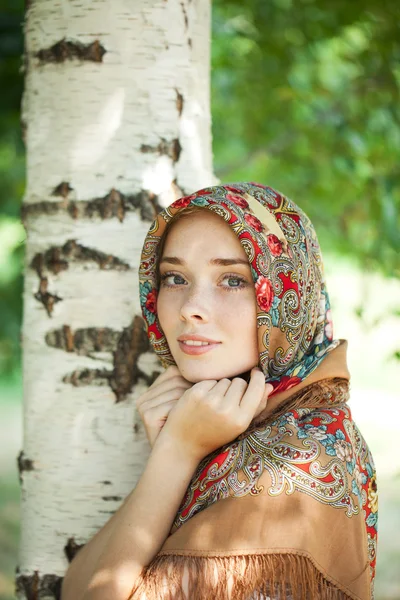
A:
(11, 184)
(306, 99)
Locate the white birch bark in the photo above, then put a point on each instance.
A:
(94, 127)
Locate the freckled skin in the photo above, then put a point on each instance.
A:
(215, 301)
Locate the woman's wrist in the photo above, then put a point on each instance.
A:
(174, 449)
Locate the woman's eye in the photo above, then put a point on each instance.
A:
(172, 279)
(234, 281)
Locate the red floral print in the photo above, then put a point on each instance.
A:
(264, 293)
(285, 383)
(186, 200)
(183, 202)
(237, 200)
(233, 189)
(274, 245)
(254, 222)
(151, 301)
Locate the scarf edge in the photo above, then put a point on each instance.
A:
(284, 573)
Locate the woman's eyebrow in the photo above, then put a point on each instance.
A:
(220, 262)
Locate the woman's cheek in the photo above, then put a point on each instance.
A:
(164, 310)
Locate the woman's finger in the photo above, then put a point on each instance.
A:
(156, 413)
(220, 388)
(163, 387)
(165, 396)
(254, 393)
(168, 384)
(236, 391)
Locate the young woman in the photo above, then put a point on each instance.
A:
(259, 484)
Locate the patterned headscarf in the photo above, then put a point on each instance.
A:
(293, 311)
(288, 509)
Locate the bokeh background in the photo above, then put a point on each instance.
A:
(305, 98)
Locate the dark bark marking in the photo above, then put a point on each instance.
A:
(171, 148)
(132, 343)
(177, 149)
(28, 585)
(51, 260)
(114, 204)
(34, 587)
(69, 338)
(67, 50)
(88, 377)
(190, 43)
(125, 346)
(24, 464)
(136, 428)
(71, 549)
(57, 259)
(179, 102)
(42, 295)
(62, 189)
(185, 15)
(111, 498)
(83, 342)
(106, 482)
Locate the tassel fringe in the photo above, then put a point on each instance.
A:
(246, 577)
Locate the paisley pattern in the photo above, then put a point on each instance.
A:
(293, 315)
(315, 451)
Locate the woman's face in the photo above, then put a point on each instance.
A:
(207, 295)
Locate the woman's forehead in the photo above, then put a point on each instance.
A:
(201, 229)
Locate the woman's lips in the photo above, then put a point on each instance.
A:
(195, 345)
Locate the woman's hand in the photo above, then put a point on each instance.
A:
(158, 400)
(212, 413)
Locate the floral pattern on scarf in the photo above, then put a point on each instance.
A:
(316, 451)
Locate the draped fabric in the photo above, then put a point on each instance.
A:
(289, 508)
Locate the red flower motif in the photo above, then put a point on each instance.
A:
(253, 222)
(202, 193)
(151, 301)
(186, 200)
(264, 293)
(285, 383)
(183, 202)
(233, 189)
(274, 245)
(237, 200)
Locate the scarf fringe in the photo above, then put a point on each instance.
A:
(246, 577)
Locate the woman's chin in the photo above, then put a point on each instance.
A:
(197, 373)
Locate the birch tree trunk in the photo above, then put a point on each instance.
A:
(117, 116)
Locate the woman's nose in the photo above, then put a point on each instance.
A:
(194, 308)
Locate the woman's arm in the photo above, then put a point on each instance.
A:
(110, 563)
(207, 415)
